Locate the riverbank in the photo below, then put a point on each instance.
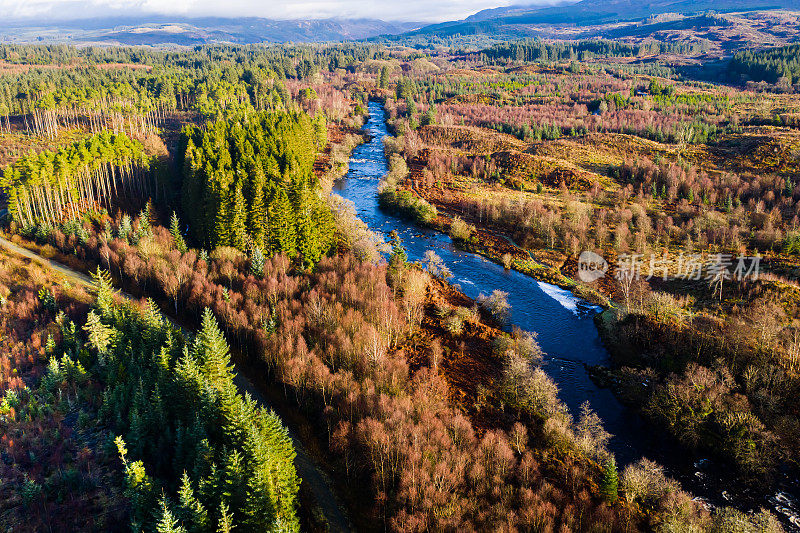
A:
(550, 275)
(563, 321)
(715, 483)
(503, 251)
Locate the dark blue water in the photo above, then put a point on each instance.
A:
(564, 324)
(566, 332)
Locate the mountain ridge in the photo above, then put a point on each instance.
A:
(590, 12)
(164, 30)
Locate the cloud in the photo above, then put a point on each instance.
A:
(407, 10)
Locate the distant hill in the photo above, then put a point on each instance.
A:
(512, 21)
(162, 30)
(495, 12)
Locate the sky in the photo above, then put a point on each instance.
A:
(405, 10)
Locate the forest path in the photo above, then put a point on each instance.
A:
(316, 480)
(72, 275)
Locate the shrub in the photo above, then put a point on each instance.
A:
(47, 251)
(406, 204)
(435, 266)
(460, 230)
(644, 483)
(730, 520)
(454, 325)
(466, 314)
(496, 305)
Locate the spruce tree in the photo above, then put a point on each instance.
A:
(234, 488)
(383, 79)
(307, 237)
(222, 221)
(98, 334)
(211, 351)
(167, 523)
(225, 519)
(398, 259)
(191, 512)
(281, 233)
(105, 292)
(609, 481)
(243, 176)
(138, 488)
(256, 214)
(239, 220)
(175, 231)
(257, 262)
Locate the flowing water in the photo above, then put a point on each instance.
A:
(563, 322)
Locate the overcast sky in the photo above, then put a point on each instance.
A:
(407, 10)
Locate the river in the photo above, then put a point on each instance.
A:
(564, 323)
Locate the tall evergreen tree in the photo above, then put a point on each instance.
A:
(256, 215)
(181, 414)
(609, 481)
(222, 235)
(225, 519)
(191, 512)
(167, 523)
(175, 231)
(98, 334)
(211, 351)
(257, 262)
(281, 232)
(239, 220)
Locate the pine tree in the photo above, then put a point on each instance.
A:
(281, 234)
(257, 262)
(383, 79)
(225, 519)
(239, 220)
(256, 216)
(52, 185)
(609, 481)
(139, 487)
(50, 345)
(145, 216)
(191, 163)
(397, 261)
(192, 512)
(305, 227)
(175, 231)
(212, 352)
(243, 177)
(99, 335)
(105, 292)
(234, 485)
(167, 523)
(320, 131)
(222, 223)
